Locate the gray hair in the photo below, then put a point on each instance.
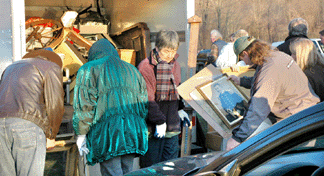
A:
(240, 33)
(216, 34)
(167, 39)
(298, 26)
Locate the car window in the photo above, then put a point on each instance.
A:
(321, 46)
(314, 144)
(318, 46)
(307, 156)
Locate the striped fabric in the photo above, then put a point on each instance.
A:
(165, 83)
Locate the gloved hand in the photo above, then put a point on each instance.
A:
(50, 143)
(184, 118)
(82, 145)
(160, 130)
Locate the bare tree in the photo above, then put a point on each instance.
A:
(264, 19)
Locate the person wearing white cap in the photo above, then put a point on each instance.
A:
(31, 110)
(273, 96)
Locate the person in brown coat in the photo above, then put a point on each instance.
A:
(31, 110)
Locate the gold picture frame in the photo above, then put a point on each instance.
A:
(224, 97)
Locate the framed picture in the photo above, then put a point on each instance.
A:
(223, 96)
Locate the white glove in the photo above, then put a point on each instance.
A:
(82, 145)
(184, 118)
(160, 130)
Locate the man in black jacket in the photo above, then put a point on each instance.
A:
(298, 28)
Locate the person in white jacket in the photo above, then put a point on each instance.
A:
(227, 57)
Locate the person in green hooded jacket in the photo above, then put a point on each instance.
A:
(110, 108)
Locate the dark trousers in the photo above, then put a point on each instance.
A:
(160, 150)
(118, 165)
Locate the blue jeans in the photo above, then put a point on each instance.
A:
(22, 148)
(118, 165)
(160, 150)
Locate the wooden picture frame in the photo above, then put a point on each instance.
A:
(224, 97)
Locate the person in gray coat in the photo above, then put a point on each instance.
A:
(273, 96)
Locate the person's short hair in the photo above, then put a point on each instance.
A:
(216, 34)
(321, 32)
(258, 50)
(167, 39)
(240, 33)
(298, 26)
(306, 53)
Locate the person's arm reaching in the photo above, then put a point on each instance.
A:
(266, 89)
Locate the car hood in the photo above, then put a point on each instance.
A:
(179, 166)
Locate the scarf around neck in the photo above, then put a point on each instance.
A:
(166, 89)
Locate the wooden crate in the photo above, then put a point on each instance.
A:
(135, 37)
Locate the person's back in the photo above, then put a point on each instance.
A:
(216, 47)
(298, 28)
(311, 62)
(31, 110)
(295, 92)
(115, 95)
(227, 57)
(22, 93)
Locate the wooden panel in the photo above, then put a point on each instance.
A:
(135, 37)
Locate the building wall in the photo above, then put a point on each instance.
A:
(158, 14)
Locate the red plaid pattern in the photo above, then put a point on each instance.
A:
(166, 89)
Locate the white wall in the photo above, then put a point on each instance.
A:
(157, 14)
(12, 32)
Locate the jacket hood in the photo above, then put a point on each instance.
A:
(102, 48)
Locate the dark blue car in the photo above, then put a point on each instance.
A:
(293, 146)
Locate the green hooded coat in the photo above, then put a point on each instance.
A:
(110, 105)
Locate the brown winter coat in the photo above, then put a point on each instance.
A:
(32, 89)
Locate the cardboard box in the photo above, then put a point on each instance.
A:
(93, 29)
(214, 141)
(128, 55)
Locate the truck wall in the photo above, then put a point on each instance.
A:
(12, 35)
(157, 14)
